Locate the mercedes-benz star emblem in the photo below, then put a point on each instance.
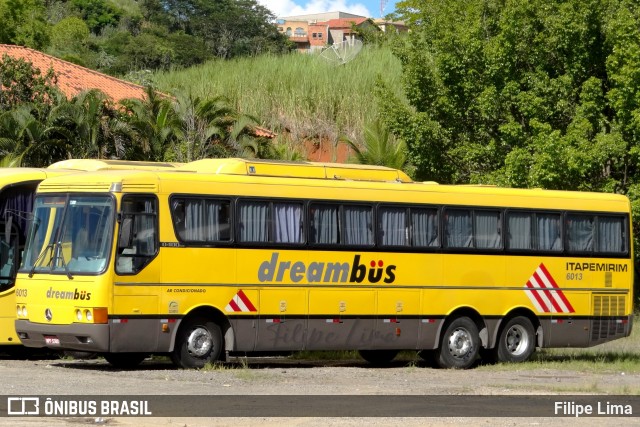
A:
(48, 315)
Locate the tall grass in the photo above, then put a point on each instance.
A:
(301, 94)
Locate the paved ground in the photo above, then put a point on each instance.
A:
(283, 376)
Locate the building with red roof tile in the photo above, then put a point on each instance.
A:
(72, 78)
(316, 31)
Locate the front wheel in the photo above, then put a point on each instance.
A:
(517, 341)
(199, 342)
(378, 357)
(459, 345)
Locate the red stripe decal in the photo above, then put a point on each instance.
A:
(246, 301)
(538, 297)
(555, 285)
(234, 306)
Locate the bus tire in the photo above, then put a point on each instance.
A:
(459, 345)
(199, 341)
(124, 360)
(378, 357)
(517, 341)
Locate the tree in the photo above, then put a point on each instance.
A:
(31, 139)
(21, 83)
(229, 27)
(88, 119)
(378, 147)
(519, 93)
(24, 23)
(152, 126)
(524, 93)
(70, 35)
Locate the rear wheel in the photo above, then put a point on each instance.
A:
(517, 341)
(125, 360)
(378, 357)
(459, 344)
(199, 342)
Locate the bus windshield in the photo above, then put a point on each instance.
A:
(69, 235)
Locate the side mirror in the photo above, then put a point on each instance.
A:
(126, 233)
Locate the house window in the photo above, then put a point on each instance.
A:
(299, 32)
(319, 35)
(289, 31)
(314, 35)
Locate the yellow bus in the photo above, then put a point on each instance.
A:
(17, 190)
(227, 255)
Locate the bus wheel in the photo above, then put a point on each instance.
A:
(517, 341)
(378, 357)
(199, 342)
(459, 345)
(125, 360)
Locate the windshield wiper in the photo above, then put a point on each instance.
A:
(47, 248)
(56, 254)
(60, 256)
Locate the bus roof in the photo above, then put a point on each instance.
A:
(9, 176)
(108, 164)
(312, 170)
(229, 173)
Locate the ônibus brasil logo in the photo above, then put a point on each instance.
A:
(375, 271)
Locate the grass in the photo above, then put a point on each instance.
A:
(622, 355)
(301, 94)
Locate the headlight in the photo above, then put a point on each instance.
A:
(24, 310)
(19, 311)
(79, 315)
(88, 315)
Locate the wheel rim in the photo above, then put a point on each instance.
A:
(517, 340)
(460, 343)
(199, 342)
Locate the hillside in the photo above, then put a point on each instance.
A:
(296, 94)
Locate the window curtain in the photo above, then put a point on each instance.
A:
(393, 227)
(288, 222)
(487, 226)
(254, 222)
(580, 230)
(424, 227)
(203, 221)
(324, 227)
(548, 232)
(459, 229)
(519, 225)
(357, 225)
(17, 203)
(611, 235)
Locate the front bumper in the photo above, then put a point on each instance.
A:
(81, 337)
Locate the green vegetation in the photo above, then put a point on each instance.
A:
(301, 95)
(122, 36)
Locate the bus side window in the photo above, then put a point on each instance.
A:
(580, 231)
(424, 228)
(253, 221)
(519, 230)
(138, 239)
(549, 234)
(487, 226)
(611, 234)
(459, 228)
(358, 225)
(324, 224)
(392, 226)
